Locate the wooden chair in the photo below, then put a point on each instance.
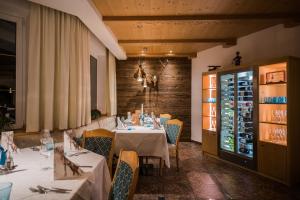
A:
(126, 176)
(164, 118)
(174, 130)
(100, 141)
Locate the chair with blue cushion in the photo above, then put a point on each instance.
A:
(173, 130)
(163, 118)
(126, 176)
(100, 141)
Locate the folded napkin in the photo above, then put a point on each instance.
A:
(120, 124)
(64, 168)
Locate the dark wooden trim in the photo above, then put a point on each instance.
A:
(258, 16)
(196, 40)
(196, 142)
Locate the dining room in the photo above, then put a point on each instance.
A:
(149, 99)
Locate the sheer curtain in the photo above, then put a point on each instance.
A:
(111, 90)
(58, 94)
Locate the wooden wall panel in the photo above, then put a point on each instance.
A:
(173, 94)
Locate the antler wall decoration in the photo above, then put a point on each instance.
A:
(146, 79)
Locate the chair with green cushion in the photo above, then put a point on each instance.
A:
(173, 130)
(163, 118)
(126, 176)
(100, 141)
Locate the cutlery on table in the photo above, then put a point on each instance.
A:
(78, 153)
(5, 172)
(87, 166)
(43, 190)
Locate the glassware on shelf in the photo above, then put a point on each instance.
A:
(274, 116)
(213, 81)
(275, 134)
(273, 100)
(213, 111)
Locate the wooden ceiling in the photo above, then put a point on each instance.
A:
(185, 27)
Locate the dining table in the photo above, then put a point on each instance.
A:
(36, 170)
(145, 140)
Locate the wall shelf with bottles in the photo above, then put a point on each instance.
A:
(278, 144)
(209, 113)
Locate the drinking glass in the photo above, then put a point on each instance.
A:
(5, 189)
(285, 116)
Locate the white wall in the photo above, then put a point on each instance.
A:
(270, 43)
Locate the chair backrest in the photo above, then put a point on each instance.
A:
(164, 118)
(126, 176)
(173, 130)
(100, 141)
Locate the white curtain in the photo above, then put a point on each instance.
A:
(111, 102)
(58, 94)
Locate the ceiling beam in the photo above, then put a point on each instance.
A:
(198, 40)
(189, 55)
(257, 16)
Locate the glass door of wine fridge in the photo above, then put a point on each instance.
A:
(245, 113)
(227, 112)
(236, 121)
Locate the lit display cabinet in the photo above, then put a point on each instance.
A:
(279, 108)
(237, 111)
(209, 113)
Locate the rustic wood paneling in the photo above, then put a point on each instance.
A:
(173, 94)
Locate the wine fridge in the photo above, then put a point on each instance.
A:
(237, 116)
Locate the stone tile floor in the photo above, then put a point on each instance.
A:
(202, 177)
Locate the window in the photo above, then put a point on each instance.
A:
(93, 64)
(8, 69)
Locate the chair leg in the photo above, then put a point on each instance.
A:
(146, 160)
(177, 160)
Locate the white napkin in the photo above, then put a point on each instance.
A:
(69, 146)
(120, 124)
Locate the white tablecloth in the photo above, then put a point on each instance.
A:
(145, 141)
(96, 186)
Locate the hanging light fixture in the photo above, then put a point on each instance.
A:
(139, 76)
(145, 83)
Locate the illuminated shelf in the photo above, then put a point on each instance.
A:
(280, 83)
(210, 129)
(275, 123)
(274, 142)
(213, 116)
(273, 103)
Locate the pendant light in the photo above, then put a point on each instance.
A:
(145, 83)
(139, 75)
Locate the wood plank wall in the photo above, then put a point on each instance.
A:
(173, 94)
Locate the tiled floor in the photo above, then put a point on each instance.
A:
(207, 178)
